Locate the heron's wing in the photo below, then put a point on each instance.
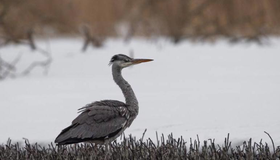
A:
(97, 121)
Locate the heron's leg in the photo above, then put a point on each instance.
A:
(107, 150)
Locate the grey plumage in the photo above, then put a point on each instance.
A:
(102, 121)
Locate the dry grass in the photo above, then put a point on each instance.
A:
(130, 148)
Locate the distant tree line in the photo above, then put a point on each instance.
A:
(177, 20)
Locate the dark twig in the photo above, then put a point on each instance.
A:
(271, 141)
(143, 135)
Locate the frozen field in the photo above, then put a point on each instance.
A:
(189, 89)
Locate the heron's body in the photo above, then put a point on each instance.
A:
(103, 121)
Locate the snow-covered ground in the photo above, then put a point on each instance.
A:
(189, 89)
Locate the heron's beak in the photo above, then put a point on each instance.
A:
(137, 61)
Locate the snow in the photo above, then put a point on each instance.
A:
(190, 89)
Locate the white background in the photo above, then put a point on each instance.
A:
(190, 89)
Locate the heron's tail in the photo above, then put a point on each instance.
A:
(65, 136)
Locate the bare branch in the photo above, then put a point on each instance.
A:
(90, 39)
(8, 69)
(30, 39)
(44, 64)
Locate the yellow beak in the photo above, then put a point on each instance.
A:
(137, 61)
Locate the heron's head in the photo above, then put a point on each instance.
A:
(124, 61)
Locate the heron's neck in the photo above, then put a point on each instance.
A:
(128, 93)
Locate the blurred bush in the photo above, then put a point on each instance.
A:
(174, 19)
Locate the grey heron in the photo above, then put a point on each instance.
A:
(103, 121)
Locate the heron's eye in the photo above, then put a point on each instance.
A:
(126, 60)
